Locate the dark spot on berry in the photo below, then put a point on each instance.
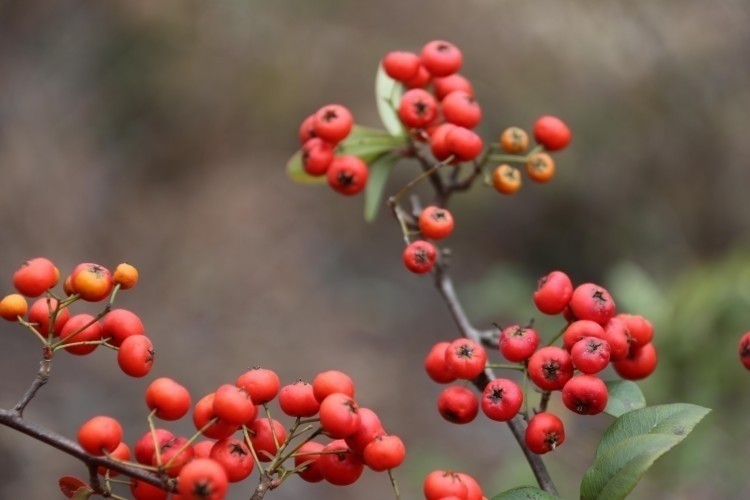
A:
(551, 440)
(465, 351)
(439, 215)
(345, 179)
(421, 108)
(496, 396)
(420, 255)
(203, 490)
(550, 369)
(592, 346)
(238, 450)
(599, 297)
(443, 47)
(519, 332)
(330, 115)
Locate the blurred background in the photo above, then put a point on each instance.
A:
(157, 133)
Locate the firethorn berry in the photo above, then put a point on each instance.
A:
(419, 81)
(120, 324)
(506, 179)
(590, 355)
(640, 330)
(234, 456)
(100, 434)
(14, 305)
(553, 293)
(580, 329)
(460, 108)
(202, 479)
(616, 335)
(68, 287)
(307, 454)
(144, 447)
(203, 448)
(474, 490)
(35, 277)
(136, 356)
(458, 405)
(435, 364)
(592, 302)
(441, 484)
(333, 123)
(501, 399)
(125, 275)
(743, 349)
(465, 359)
(330, 382)
(369, 428)
(417, 108)
(441, 58)
(233, 405)
(262, 439)
(585, 395)
(339, 415)
(122, 453)
(260, 383)
(419, 257)
(438, 144)
(298, 400)
(552, 133)
(168, 399)
(452, 83)
(514, 140)
(463, 143)
(81, 328)
(384, 452)
(540, 167)
(203, 414)
(544, 433)
(91, 281)
(550, 368)
(639, 364)
(307, 129)
(435, 223)
(173, 455)
(144, 491)
(339, 465)
(317, 156)
(39, 313)
(347, 175)
(517, 343)
(401, 66)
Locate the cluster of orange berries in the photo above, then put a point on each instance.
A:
(594, 337)
(205, 467)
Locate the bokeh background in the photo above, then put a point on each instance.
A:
(157, 133)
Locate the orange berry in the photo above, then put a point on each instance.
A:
(514, 140)
(125, 275)
(540, 167)
(91, 281)
(12, 306)
(506, 179)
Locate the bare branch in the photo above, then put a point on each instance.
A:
(42, 377)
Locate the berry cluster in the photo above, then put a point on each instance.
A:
(593, 337)
(235, 433)
(449, 485)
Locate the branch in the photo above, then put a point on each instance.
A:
(42, 377)
(266, 481)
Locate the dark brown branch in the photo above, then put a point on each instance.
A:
(42, 377)
(266, 481)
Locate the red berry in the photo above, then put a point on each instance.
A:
(170, 400)
(578, 330)
(35, 277)
(317, 156)
(590, 355)
(552, 133)
(458, 405)
(262, 439)
(639, 364)
(81, 328)
(465, 359)
(298, 400)
(136, 356)
(501, 399)
(435, 364)
(347, 175)
(460, 108)
(441, 58)
(585, 395)
(91, 281)
(744, 350)
(39, 312)
(333, 123)
(234, 405)
(401, 66)
(553, 293)
(441, 484)
(417, 108)
(100, 434)
(202, 479)
(144, 491)
(550, 368)
(203, 414)
(616, 335)
(463, 143)
(144, 447)
(435, 223)
(384, 452)
(339, 415)
(474, 490)
(330, 382)
(419, 257)
(122, 453)
(592, 302)
(307, 129)
(419, 81)
(339, 465)
(639, 329)
(234, 456)
(438, 143)
(517, 343)
(120, 324)
(452, 83)
(544, 433)
(173, 455)
(260, 383)
(202, 448)
(307, 455)
(369, 428)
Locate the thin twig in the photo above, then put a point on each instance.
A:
(42, 377)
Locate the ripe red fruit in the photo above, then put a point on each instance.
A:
(14, 305)
(419, 257)
(234, 456)
(307, 455)
(501, 399)
(401, 66)
(417, 108)
(463, 143)
(384, 452)
(639, 364)
(465, 359)
(452, 83)
(553, 293)
(435, 364)
(550, 368)
(260, 383)
(474, 490)
(438, 143)
(317, 156)
(460, 108)
(76, 330)
(552, 133)
(136, 356)
(639, 329)
(144, 448)
(441, 484)
(35, 277)
(120, 324)
(743, 349)
(234, 405)
(347, 175)
(590, 355)
(173, 455)
(369, 428)
(122, 453)
(592, 302)
(307, 129)
(202, 479)
(262, 439)
(203, 414)
(419, 81)
(339, 465)
(91, 281)
(298, 400)
(100, 434)
(616, 335)
(458, 405)
(203, 448)
(544, 433)
(580, 329)
(339, 416)
(333, 123)
(330, 382)
(441, 58)
(144, 491)
(170, 400)
(517, 343)
(585, 395)
(435, 223)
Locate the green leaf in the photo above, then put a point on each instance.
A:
(388, 94)
(524, 493)
(624, 396)
(295, 171)
(633, 443)
(378, 176)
